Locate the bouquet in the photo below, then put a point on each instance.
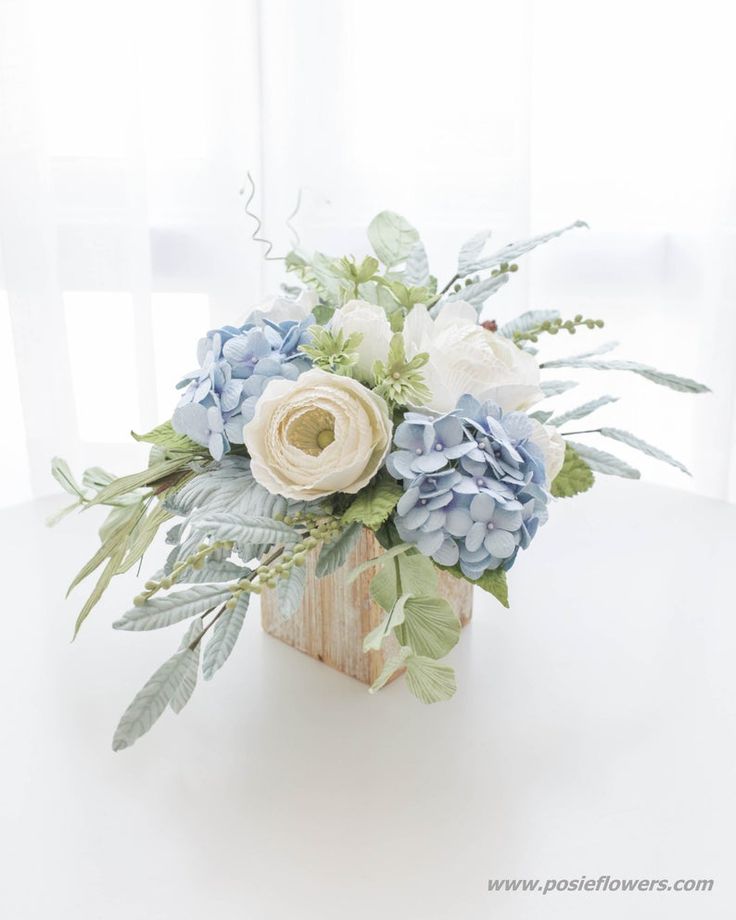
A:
(365, 396)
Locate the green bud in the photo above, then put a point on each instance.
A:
(299, 561)
(578, 317)
(139, 600)
(166, 582)
(514, 268)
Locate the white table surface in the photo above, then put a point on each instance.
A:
(592, 734)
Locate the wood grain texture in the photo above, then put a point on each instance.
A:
(335, 616)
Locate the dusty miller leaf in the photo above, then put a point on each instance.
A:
(600, 461)
(290, 590)
(158, 612)
(625, 437)
(333, 555)
(189, 668)
(225, 634)
(582, 411)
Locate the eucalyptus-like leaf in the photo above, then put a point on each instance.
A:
(430, 627)
(158, 612)
(333, 555)
(394, 664)
(428, 680)
(290, 590)
(582, 411)
(225, 634)
(190, 667)
(600, 461)
(625, 437)
(681, 384)
(246, 529)
(392, 237)
(150, 702)
(416, 273)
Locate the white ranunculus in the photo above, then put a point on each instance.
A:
(552, 445)
(369, 320)
(281, 309)
(316, 435)
(466, 358)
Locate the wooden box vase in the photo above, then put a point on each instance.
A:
(335, 615)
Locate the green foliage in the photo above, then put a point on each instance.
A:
(631, 440)
(574, 477)
(410, 574)
(429, 627)
(400, 381)
(392, 237)
(600, 461)
(159, 612)
(374, 503)
(331, 351)
(334, 555)
(493, 581)
(662, 378)
(240, 529)
(429, 681)
(582, 411)
(172, 443)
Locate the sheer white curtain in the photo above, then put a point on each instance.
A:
(126, 130)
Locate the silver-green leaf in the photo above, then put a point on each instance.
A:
(189, 668)
(333, 555)
(245, 529)
(625, 437)
(225, 634)
(158, 612)
(681, 384)
(150, 702)
(582, 411)
(290, 590)
(600, 461)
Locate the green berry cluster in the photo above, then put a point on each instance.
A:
(195, 561)
(553, 326)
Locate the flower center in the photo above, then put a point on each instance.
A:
(325, 437)
(311, 431)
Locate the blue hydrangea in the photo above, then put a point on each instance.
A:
(473, 485)
(235, 365)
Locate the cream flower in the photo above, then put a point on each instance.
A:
(552, 445)
(371, 322)
(316, 435)
(466, 358)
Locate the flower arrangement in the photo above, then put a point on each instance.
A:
(366, 395)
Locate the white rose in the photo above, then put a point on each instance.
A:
(369, 320)
(281, 309)
(552, 445)
(318, 434)
(466, 358)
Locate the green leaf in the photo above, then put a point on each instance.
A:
(144, 535)
(290, 590)
(333, 555)
(394, 664)
(171, 441)
(378, 561)
(470, 253)
(493, 581)
(99, 589)
(63, 475)
(574, 477)
(375, 638)
(190, 667)
(146, 477)
(250, 529)
(429, 681)
(478, 292)
(159, 612)
(374, 504)
(392, 237)
(600, 461)
(417, 576)
(150, 702)
(225, 634)
(430, 627)
(625, 437)
(582, 411)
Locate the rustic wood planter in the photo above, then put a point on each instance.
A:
(335, 616)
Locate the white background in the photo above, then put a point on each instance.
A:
(127, 129)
